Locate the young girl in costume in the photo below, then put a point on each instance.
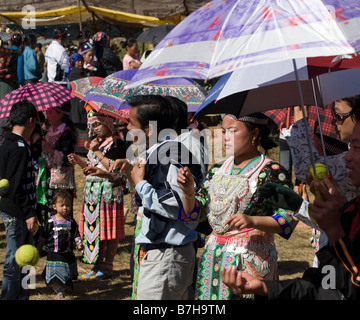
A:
(243, 228)
(60, 232)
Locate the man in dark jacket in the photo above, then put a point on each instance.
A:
(17, 206)
(338, 275)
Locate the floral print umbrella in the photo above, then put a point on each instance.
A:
(111, 90)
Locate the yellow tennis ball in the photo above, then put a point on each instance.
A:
(4, 187)
(320, 175)
(27, 255)
(4, 183)
(320, 171)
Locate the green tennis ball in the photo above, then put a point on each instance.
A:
(27, 255)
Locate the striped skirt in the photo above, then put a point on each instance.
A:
(102, 217)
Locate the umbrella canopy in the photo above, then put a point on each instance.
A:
(111, 90)
(225, 97)
(155, 34)
(43, 95)
(319, 65)
(82, 86)
(223, 36)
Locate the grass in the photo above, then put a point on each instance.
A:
(295, 255)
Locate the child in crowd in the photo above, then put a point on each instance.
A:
(59, 233)
(91, 65)
(76, 64)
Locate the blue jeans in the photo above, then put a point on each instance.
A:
(17, 234)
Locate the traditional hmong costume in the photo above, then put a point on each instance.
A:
(61, 267)
(55, 171)
(102, 216)
(225, 192)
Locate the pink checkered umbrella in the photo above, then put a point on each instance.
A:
(43, 95)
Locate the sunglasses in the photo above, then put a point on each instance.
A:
(340, 117)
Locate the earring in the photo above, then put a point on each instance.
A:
(253, 142)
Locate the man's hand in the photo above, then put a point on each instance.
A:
(138, 172)
(185, 181)
(240, 282)
(30, 223)
(326, 211)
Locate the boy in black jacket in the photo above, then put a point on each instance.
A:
(17, 207)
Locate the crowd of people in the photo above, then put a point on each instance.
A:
(239, 204)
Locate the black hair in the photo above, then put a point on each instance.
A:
(166, 111)
(179, 109)
(22, 111)
(39, 45)
(61, 194)
(29, 39)
(60, 33)
(147, 53)
(263, 137)
(128, 42)
(354, 103)
(65, 109)
(17, 39)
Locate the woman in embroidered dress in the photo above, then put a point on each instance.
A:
(102, 218)
(55, 171)
(243, 228)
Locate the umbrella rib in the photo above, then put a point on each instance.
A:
(320, 127)
(304, 116)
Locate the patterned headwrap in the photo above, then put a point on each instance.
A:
(85, 47)
(93, 117)
(73, 58)
(100, 38)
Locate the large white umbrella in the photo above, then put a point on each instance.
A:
(223, 36)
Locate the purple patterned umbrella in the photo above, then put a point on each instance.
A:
(43, 95)
(225, 35)
(111, 90)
